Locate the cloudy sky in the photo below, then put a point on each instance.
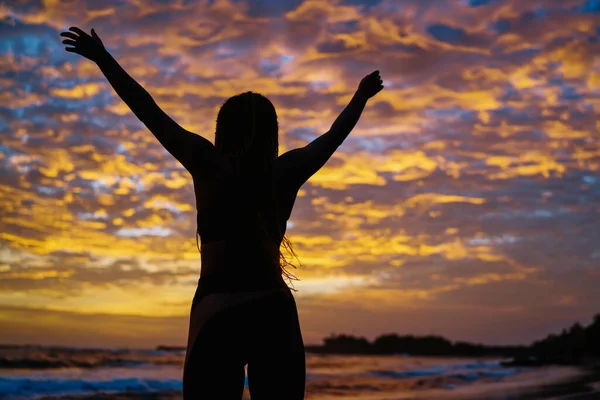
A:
(465, 202)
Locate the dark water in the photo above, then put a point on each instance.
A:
(68, 374)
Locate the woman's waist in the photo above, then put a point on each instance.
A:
(220, 283)
(226, 269)
(241, 280)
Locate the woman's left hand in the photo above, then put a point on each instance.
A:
(90, 47)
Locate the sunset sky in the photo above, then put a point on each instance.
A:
(465, 203)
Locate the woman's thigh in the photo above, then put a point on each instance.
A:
(215, 369)
(276, 363)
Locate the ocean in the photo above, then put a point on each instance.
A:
(35, 372)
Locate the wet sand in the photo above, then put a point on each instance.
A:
(549, 383)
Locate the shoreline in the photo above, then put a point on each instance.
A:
(541, 382)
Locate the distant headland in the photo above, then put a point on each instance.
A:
(574, 346)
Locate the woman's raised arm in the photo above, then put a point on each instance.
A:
(298, 165)
(189, 149)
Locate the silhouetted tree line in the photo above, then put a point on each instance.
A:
(411, 345)
(572, 346)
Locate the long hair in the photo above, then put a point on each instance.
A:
(247, 133)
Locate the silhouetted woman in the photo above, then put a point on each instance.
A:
(242, 312)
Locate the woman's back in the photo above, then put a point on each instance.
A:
(233, 254)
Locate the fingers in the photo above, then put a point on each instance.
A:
(82, 43)
(379, 79)
(77, 30)
(97, 38)
(69, 35)
(375, 74)
(371, 84)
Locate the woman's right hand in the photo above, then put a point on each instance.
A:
(370, 85)
(90, 47)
